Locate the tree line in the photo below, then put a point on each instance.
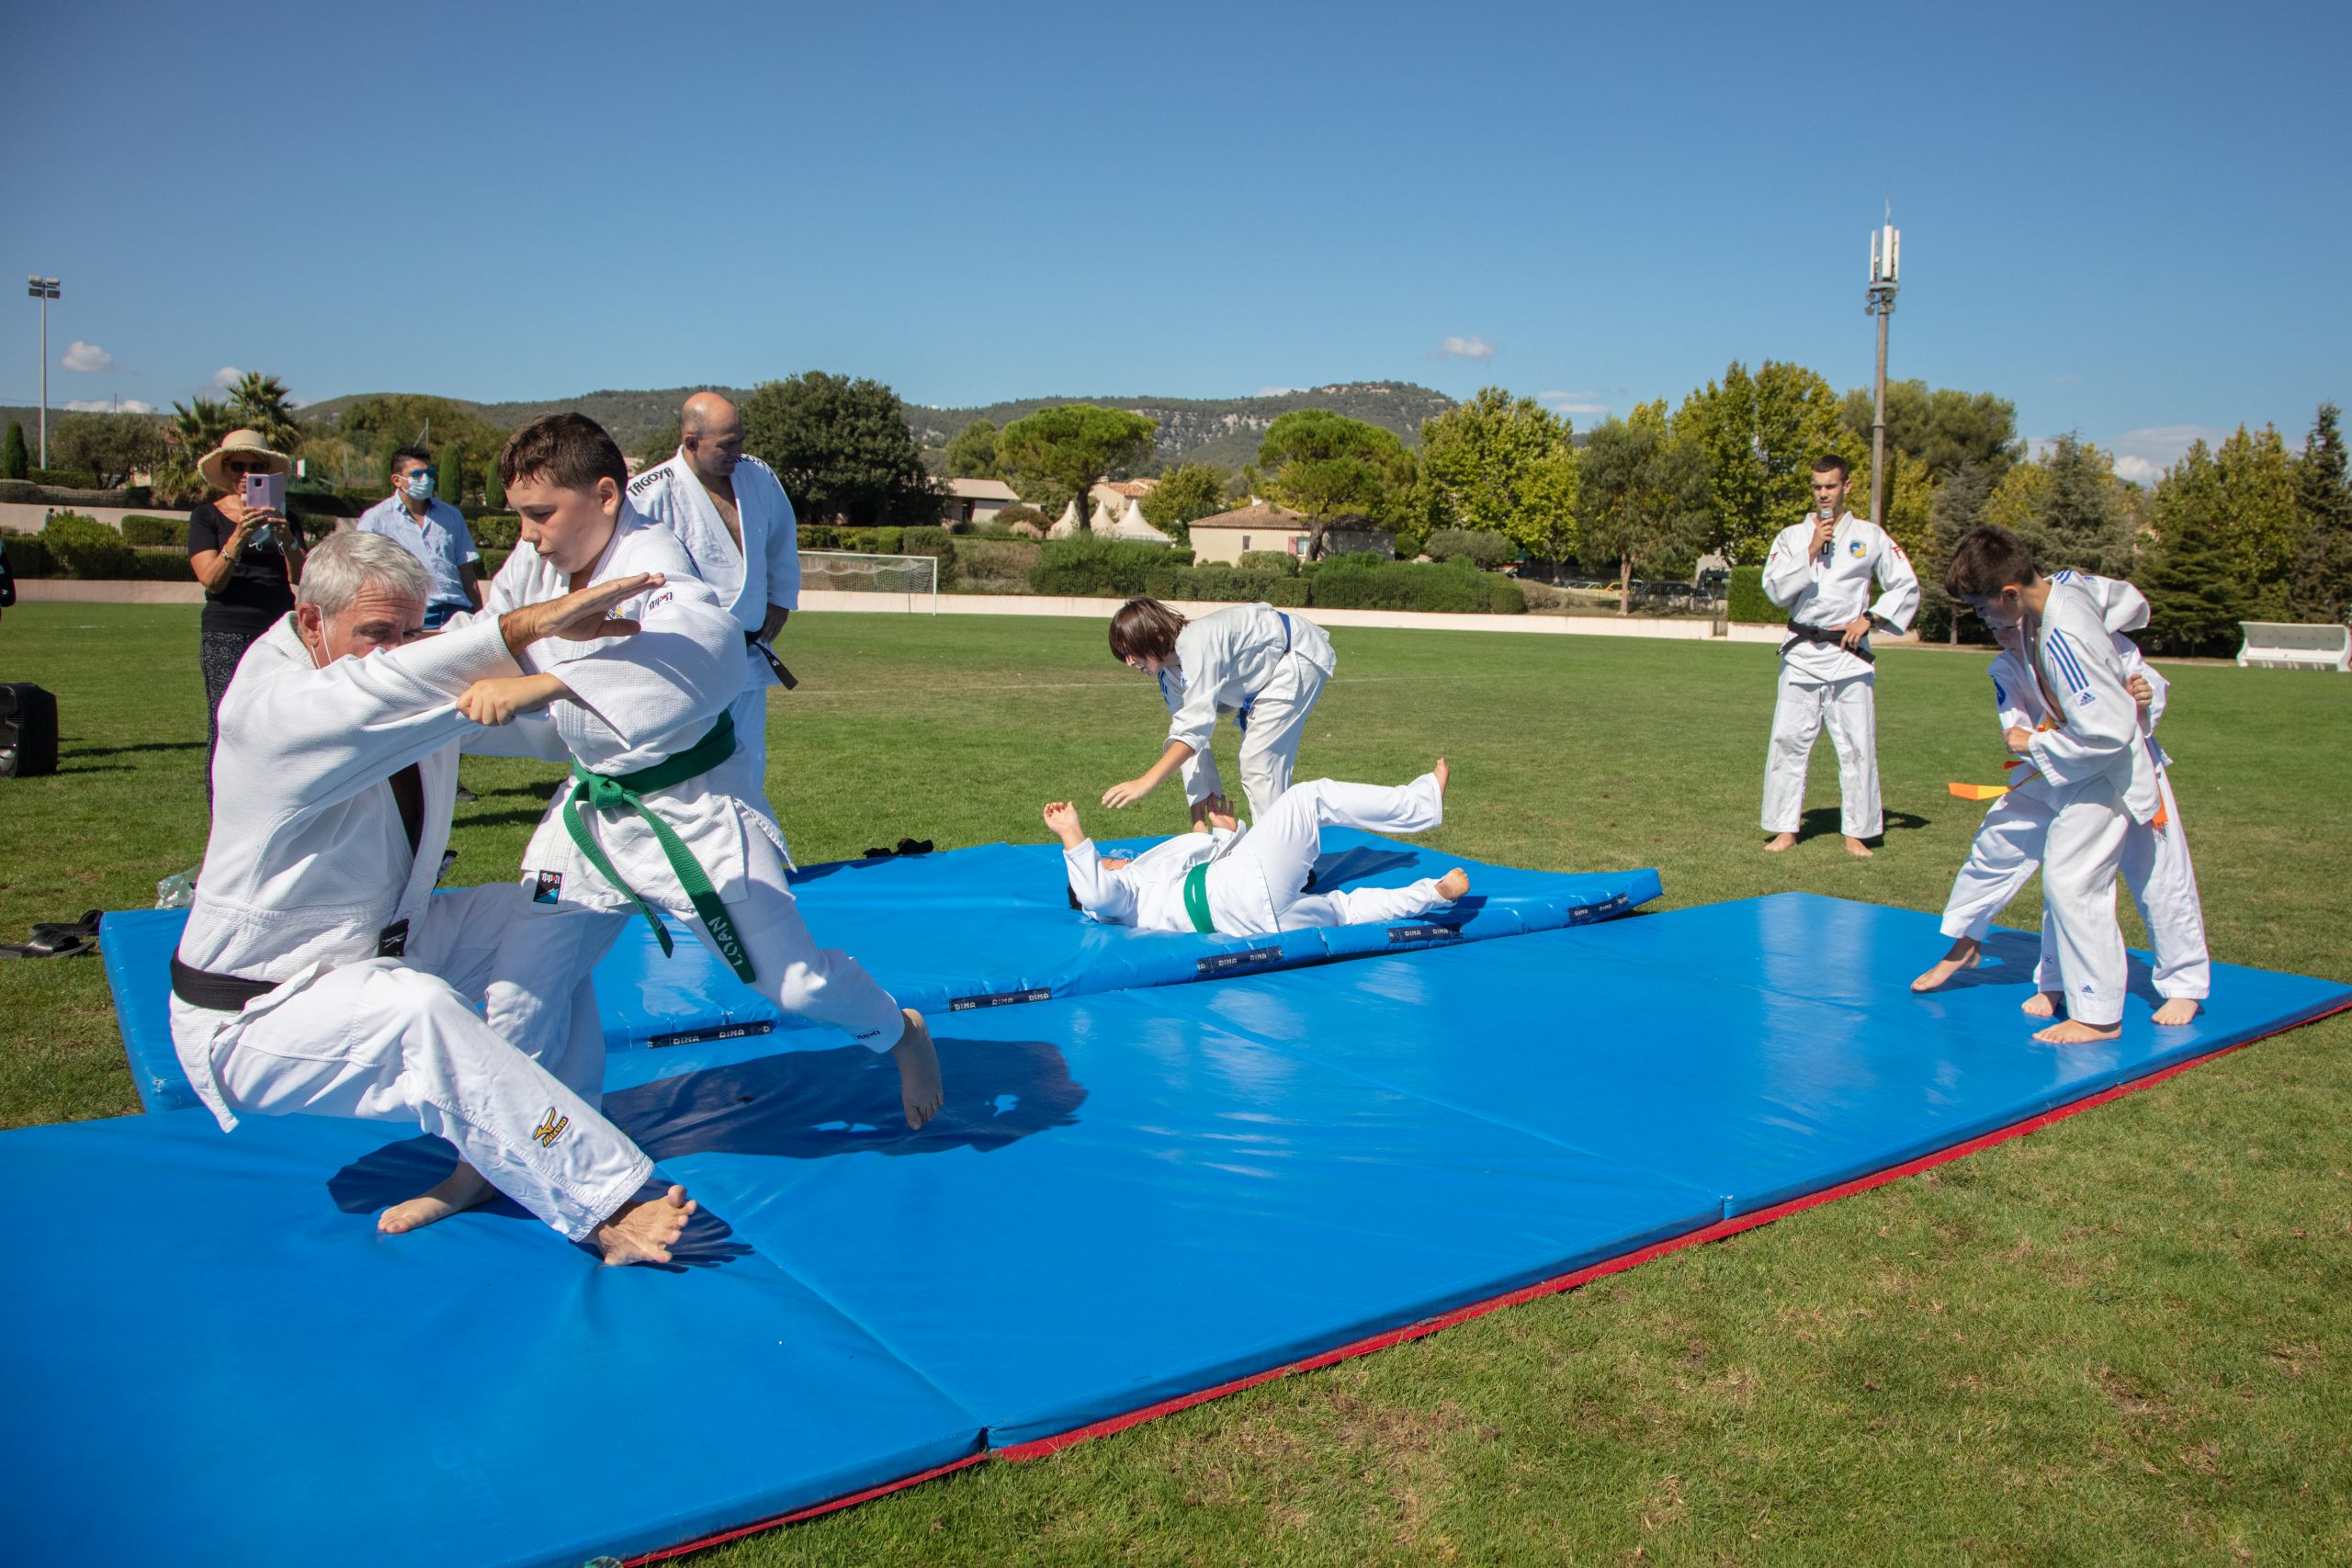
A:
(2252, 529)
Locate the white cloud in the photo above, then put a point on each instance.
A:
(1277, 392)
(1576, 403)
(226, 377)
(88, 358)
(2143, 455)
(109, 405)
(2138, 470)
(1465, 348)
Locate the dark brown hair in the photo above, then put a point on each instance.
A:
(570, 451)
(1144, 628)
(1987, 560)
(1829, 460)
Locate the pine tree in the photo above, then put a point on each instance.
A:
(2195, 600)
(15, 463)
(2321, 589)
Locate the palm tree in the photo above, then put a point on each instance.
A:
(258, 402)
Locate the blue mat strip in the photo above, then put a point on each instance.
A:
(949, 932)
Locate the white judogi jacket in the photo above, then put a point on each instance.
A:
(309, 862)
(1827, 594)
(764, 571)
(1147, 893)
(2077, 673)
(2017, 702)
(1224, 658)
(642, 700)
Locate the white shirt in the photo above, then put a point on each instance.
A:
(440, 539)
(642, 700)
(1147, 893)
(763, 571)
(1832, 592)
(2097, 735)
(1224, 658)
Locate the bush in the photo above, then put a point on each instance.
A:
(1001, 566)
(1006, 518)
(817, 537)
(886, 541)
(492, 559)
(1090, 567)
(935, 542)
(28, 557)
(85, 548)
(166, 565)
(1220, 583)
(62, 478)
(139, 529)
(1281, 563)
(495, 530)
(1370, 582)
(1745, 599)
(1484, 546)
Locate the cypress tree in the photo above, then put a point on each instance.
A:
(15, 463)
(2321, 587)
(493, 494)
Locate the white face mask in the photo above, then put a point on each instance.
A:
(420, 485)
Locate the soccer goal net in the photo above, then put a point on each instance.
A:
(915, 577)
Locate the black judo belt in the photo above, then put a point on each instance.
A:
(1827, 637)
(751, 640)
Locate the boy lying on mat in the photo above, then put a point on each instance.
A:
(1248, 880)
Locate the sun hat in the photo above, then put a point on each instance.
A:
(247, 444)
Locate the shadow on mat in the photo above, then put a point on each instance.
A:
(797, 1105)
(2011, 958)
(1353, 865)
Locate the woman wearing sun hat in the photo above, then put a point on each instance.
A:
(248, 559)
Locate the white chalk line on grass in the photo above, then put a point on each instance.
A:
(805, 690)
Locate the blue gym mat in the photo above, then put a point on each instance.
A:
(949, 932)
(1131, 1198)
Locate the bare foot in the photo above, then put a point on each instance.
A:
(1454, 885)
(1442, 772)
(641, 1230)
(2179, 1012)
(2041, 1004)
(1856, 847)
(464, 1188)
(918, 1087)
(2071, 1033)
(1777, 843)
(1964, 956)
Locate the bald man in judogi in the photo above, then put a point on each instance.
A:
(738, 527)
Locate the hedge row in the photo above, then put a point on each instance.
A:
(1745, 599)
(1373, 582)
(1096, 568)
(1088, 567)
(1220, 583)
(140, 529)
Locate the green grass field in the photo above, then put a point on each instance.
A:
(2122, 1340)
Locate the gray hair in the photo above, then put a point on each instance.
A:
(347, 560)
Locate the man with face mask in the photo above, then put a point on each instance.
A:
(433, 531)
(320, 975)
(731, 515)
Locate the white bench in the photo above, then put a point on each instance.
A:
(2272, 645)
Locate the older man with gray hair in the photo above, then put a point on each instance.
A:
(317, 974)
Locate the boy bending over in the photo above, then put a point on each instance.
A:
(1240, 881)
(2100, 771)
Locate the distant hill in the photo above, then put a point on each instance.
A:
(1219, 430)
(1216, 430)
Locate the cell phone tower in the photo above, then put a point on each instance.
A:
(1886, 265)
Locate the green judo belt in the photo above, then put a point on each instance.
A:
(1196, 900)
(625, 792)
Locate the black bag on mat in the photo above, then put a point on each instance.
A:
(27, 731)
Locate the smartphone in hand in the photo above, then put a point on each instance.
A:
(265, 492)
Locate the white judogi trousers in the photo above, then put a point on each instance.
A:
(1269, 738)
(1850, 709)
(1256, 887)
(2083, 853)
(824, 985)
(2155, 865)
(405, 1039)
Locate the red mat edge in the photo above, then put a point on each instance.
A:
(1041, 1448)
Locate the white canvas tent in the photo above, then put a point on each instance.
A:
(1066, 526)
(1133, 529)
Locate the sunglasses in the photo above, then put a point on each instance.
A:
(237, 465)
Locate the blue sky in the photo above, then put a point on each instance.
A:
(2129, 219)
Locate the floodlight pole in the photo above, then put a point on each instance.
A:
(43, 290)
(1886, 252)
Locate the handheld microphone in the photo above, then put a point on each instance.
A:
(1828, 515)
